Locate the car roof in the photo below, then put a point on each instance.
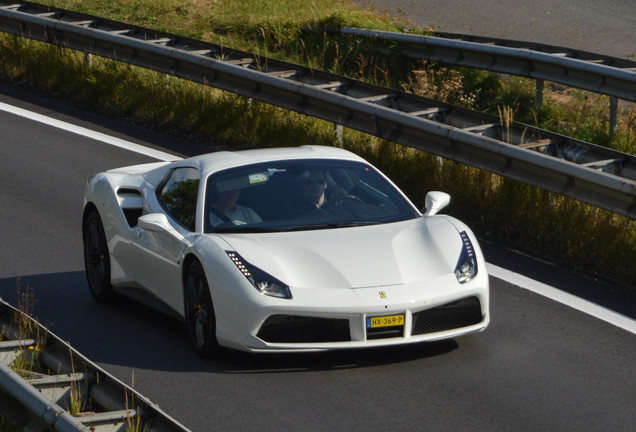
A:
(217, 161)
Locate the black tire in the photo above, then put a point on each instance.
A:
(97, 259)
(199, 312)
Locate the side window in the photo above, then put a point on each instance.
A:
(178, 195)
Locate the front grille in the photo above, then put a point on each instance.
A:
(299, 329)
(462, 313)
(385, 332)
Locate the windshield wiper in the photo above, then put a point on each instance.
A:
(330, 225)
(309, 227)
(242, 229)
(356, 223)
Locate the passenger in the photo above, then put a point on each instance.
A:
(225, 209)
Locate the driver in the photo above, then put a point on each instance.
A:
(313, 184)
(226, 209)
(316, 191)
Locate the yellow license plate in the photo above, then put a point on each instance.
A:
(385, 321)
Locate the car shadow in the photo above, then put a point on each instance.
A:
(129, 334)
(237, 362)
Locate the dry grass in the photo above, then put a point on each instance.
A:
(585, 116)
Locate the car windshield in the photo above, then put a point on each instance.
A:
(301, 195)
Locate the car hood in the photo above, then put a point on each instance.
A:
(356, 257)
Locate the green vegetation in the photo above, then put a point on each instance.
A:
(539, 223)
(7, 426)
(27, 359)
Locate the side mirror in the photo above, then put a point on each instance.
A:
(155, 222)
(158, 222)
(435, 201)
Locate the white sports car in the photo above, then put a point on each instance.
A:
(307, 248)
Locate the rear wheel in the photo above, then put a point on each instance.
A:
(97, 258)
(199, 312)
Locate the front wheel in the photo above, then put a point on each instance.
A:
(97, 259)
(199, 312)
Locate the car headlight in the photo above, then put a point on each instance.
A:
(467, 265)
(263, 282)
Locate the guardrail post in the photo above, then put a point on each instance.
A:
(538, 95)
(613, 117)
(339, 133)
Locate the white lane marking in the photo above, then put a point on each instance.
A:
(89, 133)
(555, 294)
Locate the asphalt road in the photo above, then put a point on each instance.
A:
(604, 27)
(539, 366)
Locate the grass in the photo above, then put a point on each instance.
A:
(26, 328)
(537, 222)
(7, 426)
(133, 419)
(23, 327)
(76, 400)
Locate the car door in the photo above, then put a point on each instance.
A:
(158, 253)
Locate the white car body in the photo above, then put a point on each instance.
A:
(335, 278)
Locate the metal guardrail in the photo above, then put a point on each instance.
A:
(574, 68)
(40, 397)
(577, 169)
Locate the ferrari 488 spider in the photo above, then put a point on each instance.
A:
(307, 248)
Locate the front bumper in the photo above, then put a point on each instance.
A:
(458, 317)
(335, 319)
